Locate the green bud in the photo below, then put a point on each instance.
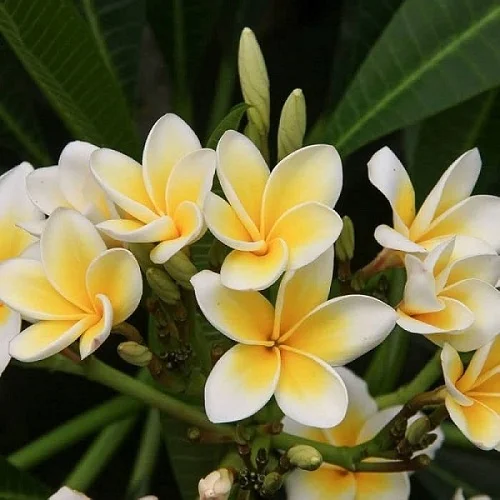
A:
(271, 485)
(344, 246)
(304, 457)
(181, 269)
(163, 285)
(141, 252)
(418, 430)
(134, 353)
(254, 81)
(292, 127)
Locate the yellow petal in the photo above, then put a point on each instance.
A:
(308, 230)
(241, 382)
(10, 326)
(313, 173)
(243, 174)
(478, 368)
(161, 229)
(373, 486)
(190, 179)
(309, 390)
(170, 139)
(245, 317)
(46, 338)
(116, 275)
(248, 271)
(301, 291)
(25, 288)
(491, 353)
(96, 334)
(121, 178)
(69, 244)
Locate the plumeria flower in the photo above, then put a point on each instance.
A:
(362, 422)
(66, 493)
(473, 397)
(285, 351)
(78, 289)
(162, 200)
(451, 300)
(459, 495)
(448, 210)
(15, 208)
(216, 486)
(274, 221)
(69, 184)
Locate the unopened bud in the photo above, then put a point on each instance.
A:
(134, 353)
(292, 125)
(344, 246)
(216, 486)
(417, 430)
(254, 81)
(271, 485)
(163, 285)
(304, 457)
(181, 269)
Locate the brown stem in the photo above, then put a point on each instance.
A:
(129, 332)
(385, 259)
(419, 462)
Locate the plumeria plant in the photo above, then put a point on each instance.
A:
(216, 285)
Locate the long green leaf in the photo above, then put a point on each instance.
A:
(56, 47)
(19, 485)
(431, 57)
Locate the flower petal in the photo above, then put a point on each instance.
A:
(33, 252)
(69, 244)
(243, 175)
(225, 225)
(390, 238)
(94, 336)
(189, 223)
(308, 230)
(309, 390)
(388, 175)
(482, 267)
(325, 483)
(373, 486)
(33, 227)
(133, 231)
(25, 288)
(245, 317)
(453, 369)
(121, 178)
(301, 291)
(454, 186)
(241, 382)
(248, 271)
(343, 328)
(313, 173)
(10, 326)
(46, 338)
(478, 366)
(191, 179)
(170, 139)
(313, 433)
(373, 425)
(116, 275)
(44, 190)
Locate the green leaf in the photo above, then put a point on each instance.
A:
(57, 49)
(19, 485)
(230, 122)
(117, 27)
(428, 59)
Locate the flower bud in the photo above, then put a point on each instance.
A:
(162, 284)
(304, 457)
(181, 269)
(292, 125)
(418, 430)
(254, 81)
(134, 353)
(344, 246)
(271, 485)
(216, 486)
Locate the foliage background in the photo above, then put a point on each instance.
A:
(419, 75)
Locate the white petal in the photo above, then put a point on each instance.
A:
(452, 371)
(94, 336)
(44, 190)
(390, 238)
(131, 231)
(10, 326)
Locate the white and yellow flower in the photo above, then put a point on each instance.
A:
(15, 209)
(162, 200)
(216, 486)
(362, 422)
(286, 351)
(473, 396)
(274, 221)
(77, 290)
(448, 210)
(452, 300)
(459, 495)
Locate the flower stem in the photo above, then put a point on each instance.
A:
(99, 454)
(72, 431)
(385, 259)
(138, 485)
(429, 374)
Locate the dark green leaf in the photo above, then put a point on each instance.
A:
(56, 47)
(19, 485)
(230, 122)
(428, 59)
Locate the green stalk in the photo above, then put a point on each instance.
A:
(198, 341)
(149, 446)
(98, 455)
(73, 431)
(449, 478)
(429, 374)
